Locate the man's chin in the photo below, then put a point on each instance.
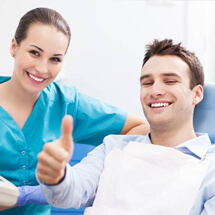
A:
(159, 125)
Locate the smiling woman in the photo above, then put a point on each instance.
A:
(32, 106)
(40, 61)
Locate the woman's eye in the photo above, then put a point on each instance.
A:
(55, 59)
(35, 53)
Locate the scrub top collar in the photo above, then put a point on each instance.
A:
(9, 121)
(4, 79)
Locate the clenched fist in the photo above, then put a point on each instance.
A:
(55, 155)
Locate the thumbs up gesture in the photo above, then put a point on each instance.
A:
(55, 155)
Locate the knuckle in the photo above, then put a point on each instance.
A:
(39, 176)
(47, 147)
(41, 156)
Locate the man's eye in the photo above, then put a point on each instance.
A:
(146, 83)
(171, 82)
(33, 52)
(55, 59)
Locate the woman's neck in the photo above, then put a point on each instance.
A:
(13, 91)
(16, 101)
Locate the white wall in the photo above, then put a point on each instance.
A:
(108, 38)
(201, 34)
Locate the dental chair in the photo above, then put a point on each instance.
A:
(204, 113)
(204, 122)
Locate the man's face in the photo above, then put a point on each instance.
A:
(166, 97)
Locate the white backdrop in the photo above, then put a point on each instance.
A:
(108, 39)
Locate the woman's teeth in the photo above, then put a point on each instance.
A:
(35, 78)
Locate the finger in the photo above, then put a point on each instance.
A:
(48, 162)
(54, 150)
(50, 172)
(47, 179)
(66, 138)
(49, 169)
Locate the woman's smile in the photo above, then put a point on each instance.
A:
(35, 78)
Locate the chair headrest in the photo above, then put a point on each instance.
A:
(204, 113)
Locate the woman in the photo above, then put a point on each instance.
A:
(32, 105)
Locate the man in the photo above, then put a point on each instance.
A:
(169, 171)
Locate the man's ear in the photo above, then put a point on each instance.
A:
(13, 47)
(198, 94)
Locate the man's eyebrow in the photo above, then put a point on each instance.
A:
(171, 74)
(43, 50)
(164, 74)
(144, 76)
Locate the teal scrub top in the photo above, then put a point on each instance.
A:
(92, 119)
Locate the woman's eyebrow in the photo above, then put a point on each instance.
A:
(37, 48)
(43, 50)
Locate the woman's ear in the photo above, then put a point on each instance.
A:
(13, 47)
(198, 94)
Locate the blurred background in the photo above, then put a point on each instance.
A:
(108, 40)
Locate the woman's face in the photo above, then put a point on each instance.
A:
(39, 57)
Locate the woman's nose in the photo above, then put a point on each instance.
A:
(42, 68)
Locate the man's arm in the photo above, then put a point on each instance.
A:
(209, 207)
(65, 186)
(78, 187)
(135, 125)
(53, 159)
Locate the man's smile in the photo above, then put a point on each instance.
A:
(159, 104)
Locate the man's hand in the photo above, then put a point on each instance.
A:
(55, 155)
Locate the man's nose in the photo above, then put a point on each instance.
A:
(157, 89)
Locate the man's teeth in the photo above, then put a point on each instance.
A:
(159, 104)
(36, 79)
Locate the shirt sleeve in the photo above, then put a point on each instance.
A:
(95, 119)
(209, 207)
(79, 186)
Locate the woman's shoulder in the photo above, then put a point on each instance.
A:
(56, 92)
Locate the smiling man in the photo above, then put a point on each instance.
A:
(169, 171)
(167, 98)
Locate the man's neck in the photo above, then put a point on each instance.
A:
(172, 138)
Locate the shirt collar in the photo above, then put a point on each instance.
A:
(198, 145)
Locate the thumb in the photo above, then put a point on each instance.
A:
(66, 138)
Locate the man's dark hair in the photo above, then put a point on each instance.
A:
(167, 47)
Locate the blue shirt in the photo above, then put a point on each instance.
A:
(81, 181)
(92, 119)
